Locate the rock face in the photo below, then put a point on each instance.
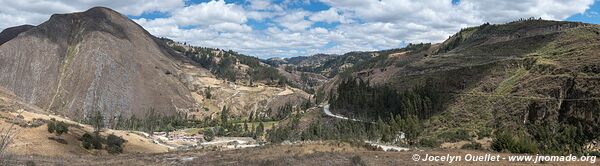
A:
(10, 33)
(94, 60)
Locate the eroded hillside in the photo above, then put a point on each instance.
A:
(76, 63)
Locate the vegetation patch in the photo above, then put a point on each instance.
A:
(507, 85)
(455, 136)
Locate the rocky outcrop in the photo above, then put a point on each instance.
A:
(94, 60)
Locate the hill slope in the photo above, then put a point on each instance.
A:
(94, 60)
(535, 79)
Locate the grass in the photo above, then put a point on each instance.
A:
(507, 85)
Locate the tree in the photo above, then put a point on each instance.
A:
(207, 93)
(96, 119)
(57, 128)
(91, 141)
(60, 128)
(224, 116)
(114, 144)
(86, 140)
(260, 129)
(51, 127)
(209, 134)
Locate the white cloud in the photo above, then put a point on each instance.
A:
(290, 31)
(331, 15)
(231, 27)
(260, 4)
(36, 11)
(213, 12)
(294, 20)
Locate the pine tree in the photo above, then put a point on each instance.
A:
(96, 119)
(259, 131)
(245, 126)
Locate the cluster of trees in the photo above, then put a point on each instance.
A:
(383, 59)
(94, 140)
(114, 144)
(506, 141)
(396, 113)
(357, 97)
(57, 127)
(225, 69)
(384, 131)
(151, 121)
(227, 127)
(563, 138)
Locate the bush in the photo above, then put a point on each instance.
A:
(208, 134)
(472, 145)
(51, 127)
(486, 132)
(503, 142)
(459, 135)
(86, 140)
(91, 141)
(506, 142)
(525, 145)
(37, 123)
(357, 160)
(58, 127)
(426, 142)
(30, 163)
(114, 144)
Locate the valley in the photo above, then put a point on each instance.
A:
(96, 88)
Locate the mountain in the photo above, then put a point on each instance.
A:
(76, 63)
(532, 79)
(247, 70)
(12, 32)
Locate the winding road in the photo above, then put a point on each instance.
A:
(328, 113)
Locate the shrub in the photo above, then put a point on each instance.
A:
(91, 141)
(86, 140)
(60, 128)
(486, 132)
(51, 127)
(525, 145)
(114, 144)
(37, 123)
(209, 134)
(426, 142)
(456, 136)
(506, 142)
(472, 145)
(502, 142)
(357, 160)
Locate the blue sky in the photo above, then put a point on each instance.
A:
(286, 28)
(592, 15)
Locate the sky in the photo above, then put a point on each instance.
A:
(287, 28)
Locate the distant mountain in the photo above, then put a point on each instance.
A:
(94, 60)
(12, 32)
